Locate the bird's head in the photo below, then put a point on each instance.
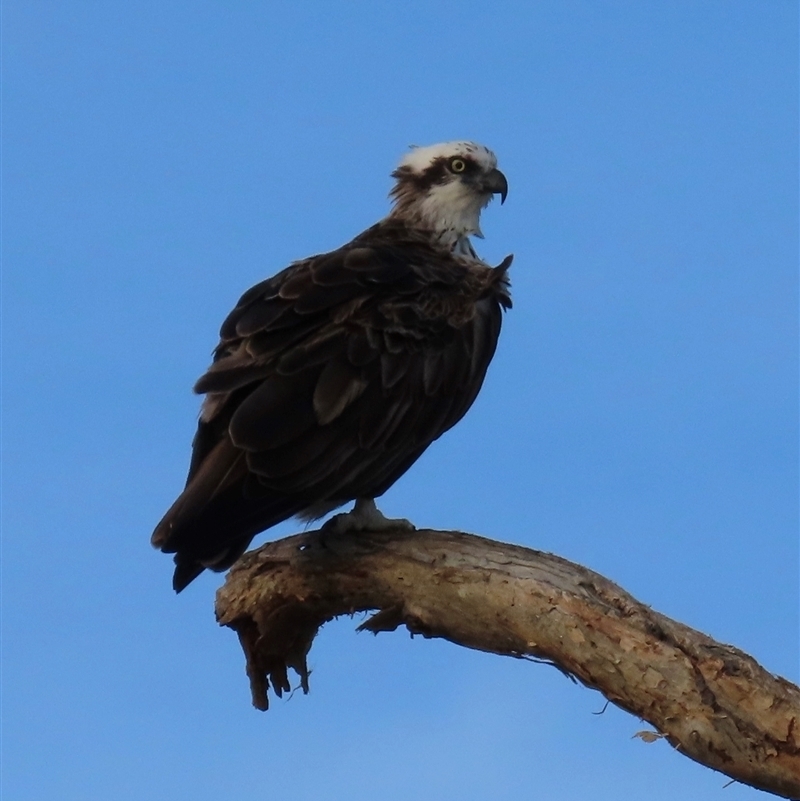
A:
(443, 188)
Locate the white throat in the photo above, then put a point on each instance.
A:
(452, 208)
(452, 213)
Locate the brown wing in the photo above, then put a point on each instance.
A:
(330, 380)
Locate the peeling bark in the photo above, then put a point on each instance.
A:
(712, 702)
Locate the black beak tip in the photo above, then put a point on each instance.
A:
(498, 185)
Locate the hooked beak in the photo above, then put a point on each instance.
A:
(496, 183)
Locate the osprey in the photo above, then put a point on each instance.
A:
(332, 377)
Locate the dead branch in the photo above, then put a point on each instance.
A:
(711, 701)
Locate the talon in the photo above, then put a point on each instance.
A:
(365, 517)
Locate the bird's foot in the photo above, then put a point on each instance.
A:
(365, 517)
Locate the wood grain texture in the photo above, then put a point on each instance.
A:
(711, 701)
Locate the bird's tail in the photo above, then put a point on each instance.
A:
(214, 519)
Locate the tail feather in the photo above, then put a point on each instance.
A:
(225, 466)
(214, 519)
(185, 573)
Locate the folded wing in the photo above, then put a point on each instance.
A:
(329, 381)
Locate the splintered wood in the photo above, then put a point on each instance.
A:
(710, 701)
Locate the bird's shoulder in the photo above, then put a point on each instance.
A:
(387, 266)
(389, 288)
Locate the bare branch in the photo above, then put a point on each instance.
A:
(711, 701)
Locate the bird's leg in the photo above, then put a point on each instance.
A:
(365, 517)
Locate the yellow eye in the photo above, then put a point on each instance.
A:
(458, 165)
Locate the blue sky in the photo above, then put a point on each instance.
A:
(640, 416)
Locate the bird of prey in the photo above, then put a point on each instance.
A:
(332, 377)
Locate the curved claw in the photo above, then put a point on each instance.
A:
(365, 517)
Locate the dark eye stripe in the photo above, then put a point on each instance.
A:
(435, 173)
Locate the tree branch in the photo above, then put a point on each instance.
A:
(711, 701)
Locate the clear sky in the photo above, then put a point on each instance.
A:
(640, 416)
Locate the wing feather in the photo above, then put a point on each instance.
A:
(359, 350)
(270, 314)
(338, 386)
(394, 367)
(278, 410)
(311, 352)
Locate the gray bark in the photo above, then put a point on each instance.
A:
(712, 702)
